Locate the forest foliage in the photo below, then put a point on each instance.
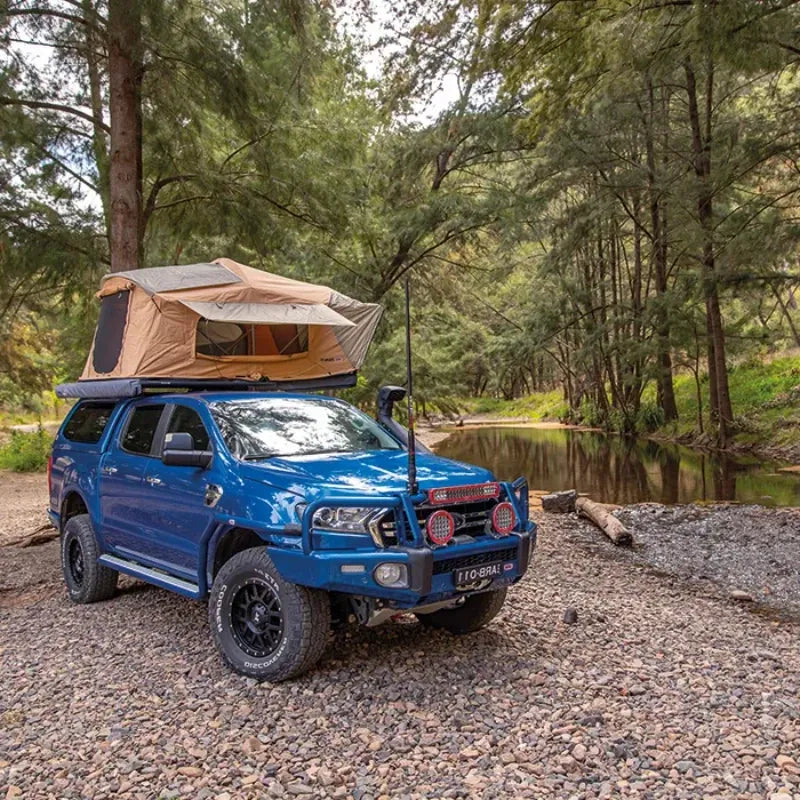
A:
(605, 199)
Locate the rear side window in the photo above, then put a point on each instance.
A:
(141, 429)
(187, 420)
(88, 421)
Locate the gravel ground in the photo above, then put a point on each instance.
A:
(662, 689)
(23, 501)
(749, 549)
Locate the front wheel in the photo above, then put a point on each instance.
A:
(473, 614)
(264, 627)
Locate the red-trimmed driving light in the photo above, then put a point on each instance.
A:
(503, 518)
(440, 527)
(463, 494)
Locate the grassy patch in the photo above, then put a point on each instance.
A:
(765, 396)
(26, 452)
(536, 407)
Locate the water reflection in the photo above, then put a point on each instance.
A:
(615, 470)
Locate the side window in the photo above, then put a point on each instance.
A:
(87, 422)
(187, 420)
(141, 429)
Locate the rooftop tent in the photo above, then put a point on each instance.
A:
(226, 321)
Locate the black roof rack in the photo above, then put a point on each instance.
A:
(118, 388)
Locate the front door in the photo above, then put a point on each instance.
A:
(178, 513)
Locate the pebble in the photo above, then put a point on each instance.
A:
(570, 616)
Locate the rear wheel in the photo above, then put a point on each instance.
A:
(86, 580)
(264, 627)
(473, 614)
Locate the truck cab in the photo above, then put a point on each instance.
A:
(284, 511)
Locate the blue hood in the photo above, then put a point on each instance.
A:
(375, 472)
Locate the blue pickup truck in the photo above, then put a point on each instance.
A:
(287, 511)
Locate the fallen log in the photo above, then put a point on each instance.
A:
(44, 533)
(600, 515)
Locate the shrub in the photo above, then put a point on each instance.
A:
(651, 417)
(26, 452)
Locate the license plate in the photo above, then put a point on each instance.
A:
(468, 575)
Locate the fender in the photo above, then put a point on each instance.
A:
(226, 523)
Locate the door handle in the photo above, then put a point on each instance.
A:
(153, 481)
(109, 470)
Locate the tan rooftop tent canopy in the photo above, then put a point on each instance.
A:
(224, 321)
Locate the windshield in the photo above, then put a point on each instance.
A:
(265, 427)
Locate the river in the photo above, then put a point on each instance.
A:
(612, 469)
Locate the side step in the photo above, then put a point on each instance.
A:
(153, 576)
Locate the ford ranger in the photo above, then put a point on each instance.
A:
(286, 512)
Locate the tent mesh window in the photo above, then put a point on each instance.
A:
(110, 331)
(221, 339)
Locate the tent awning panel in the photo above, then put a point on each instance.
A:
(184, 276)
(269, 313)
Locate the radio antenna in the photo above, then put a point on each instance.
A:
(413, 487)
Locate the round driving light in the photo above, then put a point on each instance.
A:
(391, 574)
(503, 518)
(440, 527)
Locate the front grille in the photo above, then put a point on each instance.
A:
(472, 519)
(449, 564)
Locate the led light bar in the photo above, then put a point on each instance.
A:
(463, 494)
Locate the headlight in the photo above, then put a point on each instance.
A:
(350, 520)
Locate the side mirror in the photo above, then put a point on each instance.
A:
(179, 452)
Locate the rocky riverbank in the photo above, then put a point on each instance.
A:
(662, 687)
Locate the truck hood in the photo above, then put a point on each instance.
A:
(375, 472)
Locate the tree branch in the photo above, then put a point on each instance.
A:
(63, 109)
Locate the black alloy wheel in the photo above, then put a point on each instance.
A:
(256, 619)
(75, 561)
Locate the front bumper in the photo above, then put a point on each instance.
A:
(431, 570)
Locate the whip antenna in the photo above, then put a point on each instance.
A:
(413, 488)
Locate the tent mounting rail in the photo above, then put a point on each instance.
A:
(119, 388)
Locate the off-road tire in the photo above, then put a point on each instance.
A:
(86, 580)
(473, 614)
(305, 618)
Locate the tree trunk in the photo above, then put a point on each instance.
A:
(125, 83)
(701, 145)
(99, 136)
(665, 388)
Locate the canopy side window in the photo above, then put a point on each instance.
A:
(221, 339)
(110, 331)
